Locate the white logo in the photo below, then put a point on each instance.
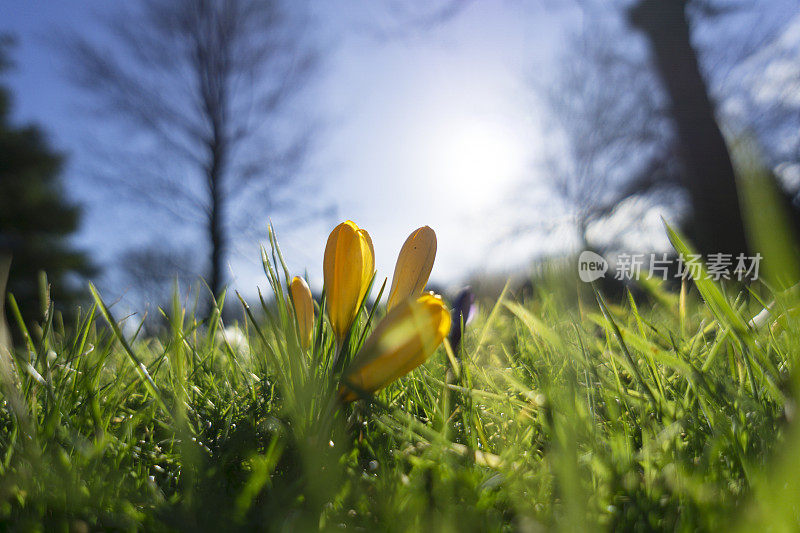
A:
(591, 266)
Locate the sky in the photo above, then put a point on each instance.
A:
(439, 128)
(433, 127)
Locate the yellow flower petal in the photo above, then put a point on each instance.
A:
(348, 267)
(403, 340)
(414, 264)
(368, 266)
(303, 309)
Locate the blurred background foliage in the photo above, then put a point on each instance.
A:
(36, 220)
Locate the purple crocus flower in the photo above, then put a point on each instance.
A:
(462, 312)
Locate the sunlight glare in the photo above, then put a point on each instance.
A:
(476, 160)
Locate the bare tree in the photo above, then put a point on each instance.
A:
(201, 85)
(709, 175)
(609, 138)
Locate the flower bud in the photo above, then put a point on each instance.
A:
(303, 305)
(414, 264)
(403, 340)
(348, 268)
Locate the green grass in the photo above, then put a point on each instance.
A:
(564, 411)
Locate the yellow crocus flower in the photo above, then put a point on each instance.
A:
(403, 340)
(348, 267)
(414, 264)
(303, 309)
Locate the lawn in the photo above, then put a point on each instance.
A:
(563, 409)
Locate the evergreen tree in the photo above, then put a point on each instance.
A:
(36, 220)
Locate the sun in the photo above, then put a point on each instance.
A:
(476, 160)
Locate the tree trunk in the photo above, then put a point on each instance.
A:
(716, 220)
(216, 239)
(216, 214)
